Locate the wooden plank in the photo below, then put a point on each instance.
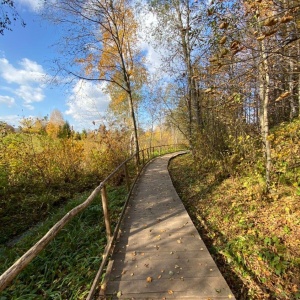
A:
(159, 241)
(193, 287)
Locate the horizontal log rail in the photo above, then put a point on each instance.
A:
(144, 156)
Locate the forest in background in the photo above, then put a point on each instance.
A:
(46, 163)
(228, 84)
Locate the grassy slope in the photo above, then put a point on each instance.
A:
(255, 238)
(67, 267)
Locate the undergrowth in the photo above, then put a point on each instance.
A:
(68, 265)
(253, 235)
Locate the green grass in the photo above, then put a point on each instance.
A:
(254, 237)
(68, 265)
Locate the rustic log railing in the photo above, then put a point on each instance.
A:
(145, 156)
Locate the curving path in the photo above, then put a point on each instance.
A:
(159, 253)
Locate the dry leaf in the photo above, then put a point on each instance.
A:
(210, 11)
(270, 32)
(170, 292)
(123, 272)
(224, 52)
(213, 59)
(119, 294)
(149, 279)
(283, 95)
(223, 25)
(234, 45)
(223, 40)
(286, 19)
(260, 38)
(270, 22)
(159, 276)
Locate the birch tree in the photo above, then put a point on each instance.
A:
(100, 42)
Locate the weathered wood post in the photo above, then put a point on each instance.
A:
(127, 177)
(105, 212)
(143, 155)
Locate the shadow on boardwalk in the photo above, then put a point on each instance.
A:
(159, 253)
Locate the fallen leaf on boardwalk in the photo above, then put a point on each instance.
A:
(123, 272)
(179, 241)
(181, 278)
(149, 279)
(119, 294)
(177, 267)
(229, 296)
(134, 253)
(146, 265)
(170, 292)
(159, 276)
(131, 274)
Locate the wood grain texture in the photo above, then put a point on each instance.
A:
(159, 253)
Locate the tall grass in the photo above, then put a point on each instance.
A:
(67, 267)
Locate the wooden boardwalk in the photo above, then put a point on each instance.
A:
(159, 253)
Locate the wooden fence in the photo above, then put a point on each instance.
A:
(143, 157)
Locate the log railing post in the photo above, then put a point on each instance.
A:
(127, 177)
(105, 211)
(143, 155)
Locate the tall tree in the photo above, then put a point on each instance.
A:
(179, 30)
(102, 37)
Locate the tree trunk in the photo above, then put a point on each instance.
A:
(264, 91)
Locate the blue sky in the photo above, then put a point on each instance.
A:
(25, 63)
(26, 55)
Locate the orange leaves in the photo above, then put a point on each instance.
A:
(270, 22)
(283, 96)
(286, 19)
(223, 25)
(261, 37)
(223, 40)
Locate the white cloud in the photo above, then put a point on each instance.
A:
(30, 94)
(147, 21)
(29, 79)
(34, 5)
(7, 100)
(30, 72)
(87, 102)
(13, 120)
